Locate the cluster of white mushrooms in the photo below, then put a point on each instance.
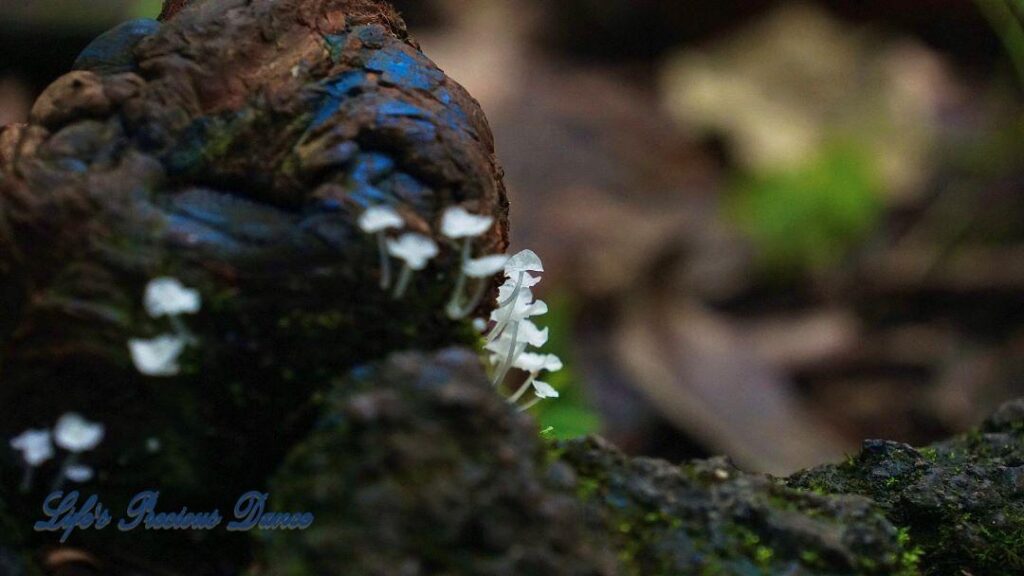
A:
(165, 297)
(416, 250)
(512, 332)
(73, 434)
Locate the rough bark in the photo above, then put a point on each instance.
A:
(232, 146)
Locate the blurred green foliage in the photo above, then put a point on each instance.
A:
(809, 217)
(570, 415)
(1005, 18)
(147, 8)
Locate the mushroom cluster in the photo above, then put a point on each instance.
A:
(416, 250)
(513, 331)
(73, 434)
(165, 297)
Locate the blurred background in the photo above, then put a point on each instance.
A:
(772, 228)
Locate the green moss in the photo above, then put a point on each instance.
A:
(810, 217)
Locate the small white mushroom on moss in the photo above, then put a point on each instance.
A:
(158, 357)
(457, 223)
(165, 297)
(460, 225)
(377, 220)
(76, 434)
(169, 297)
(414, 250)
(36, 448)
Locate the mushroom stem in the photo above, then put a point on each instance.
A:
(403, 282)
(522, 389)
(70, 461)
(504, 322)
(474, 300)
(385, 262)
(454, 309)
(512, 354)
(529, 404)
(181, 329)
(26, 480)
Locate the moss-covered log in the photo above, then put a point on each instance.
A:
(961, 501)
(231, 146)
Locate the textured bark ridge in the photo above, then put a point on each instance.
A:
(231, 146)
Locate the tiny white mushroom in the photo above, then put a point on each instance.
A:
(517, 269)
(36, 447)
(159, 356)
(529, 335)
(458, 223)
(169, 297)
(525, 261)
(76, 434)
(377, 220)
(544, 390)
(415, 250)
(534, 364)
(479, 269)
(485, 267)
(541, 391)
(79, 473)
(531, 362)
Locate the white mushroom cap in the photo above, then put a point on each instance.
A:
(169, 297)
(76, 434)
(544, 390)
(458, 223)
(79, 473)
(528, 333)
(379, 218)
(36, 446)
(159, 356)
(524, 307)
(531, 334)
(413, 249)
(531, 362)
(484, 267)
(525, 261)
(505, 290)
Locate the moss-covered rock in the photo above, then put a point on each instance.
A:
(418, 467)
(961, 501)
(709, 518)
